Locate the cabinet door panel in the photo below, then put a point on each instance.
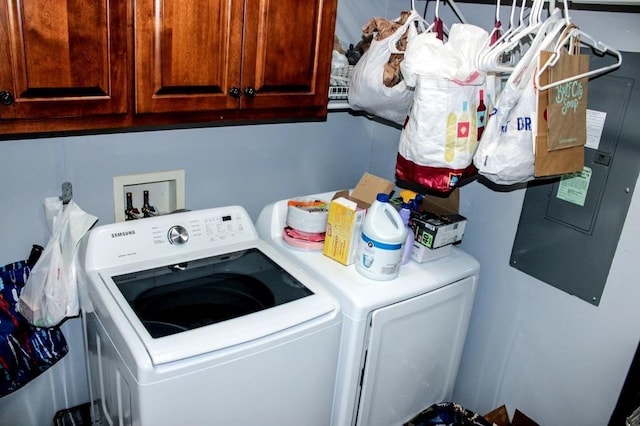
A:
(63, 58)
(287, 52)
(187, 54)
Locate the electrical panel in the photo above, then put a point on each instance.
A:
(570, 226)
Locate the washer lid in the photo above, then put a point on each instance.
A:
(202, 305)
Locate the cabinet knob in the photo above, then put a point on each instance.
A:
(6, 98)
(250, 91)
(234, 92)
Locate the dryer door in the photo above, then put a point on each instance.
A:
(413, 354)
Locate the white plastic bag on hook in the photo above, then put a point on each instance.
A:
(440, 136)
(50, 293)
(505, 154)
(367, 92)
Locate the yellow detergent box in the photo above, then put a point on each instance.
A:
(346, 215)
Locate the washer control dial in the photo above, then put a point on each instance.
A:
(178, 235)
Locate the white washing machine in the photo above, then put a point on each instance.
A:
(191, 319)
(402, 339)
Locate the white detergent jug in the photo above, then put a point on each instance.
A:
(380, 247)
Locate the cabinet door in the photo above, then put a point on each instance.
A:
(287, 53)
(62, 58)
(413, 354)
(188, 54)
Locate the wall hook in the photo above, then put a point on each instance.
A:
(67, 193)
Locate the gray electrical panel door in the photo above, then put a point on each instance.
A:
(569, 227)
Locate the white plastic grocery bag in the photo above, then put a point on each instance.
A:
(449, 108)
(367, 92)
(50, 293)
(505, 153)
(442, 130)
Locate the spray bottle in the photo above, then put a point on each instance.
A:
(408, 199)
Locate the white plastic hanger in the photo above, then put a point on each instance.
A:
(489, 46)
(497, 26)
(526, 30)
(572, 35)
(510, 42)
(437, 17)
(545, 36)
(413, 23)
(583, 38)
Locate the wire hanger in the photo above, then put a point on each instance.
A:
(576, 35)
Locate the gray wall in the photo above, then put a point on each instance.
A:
(247, 165)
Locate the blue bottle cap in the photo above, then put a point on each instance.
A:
(382, 197)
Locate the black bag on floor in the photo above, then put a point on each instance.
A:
(447, 414)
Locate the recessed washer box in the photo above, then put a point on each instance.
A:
(166, 191)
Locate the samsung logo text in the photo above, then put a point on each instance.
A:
(122, 234)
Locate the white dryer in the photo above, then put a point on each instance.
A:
(191, 319)
(402, 339)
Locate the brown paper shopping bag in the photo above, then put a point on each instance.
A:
(558, 161)
(567, 108)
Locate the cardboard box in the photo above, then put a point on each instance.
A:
(435, 231)
(438, 223)
(346, 214)
(421, 253)
(500, 417)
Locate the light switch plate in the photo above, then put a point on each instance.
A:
(166, 191)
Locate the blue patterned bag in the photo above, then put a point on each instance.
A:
(25, 351)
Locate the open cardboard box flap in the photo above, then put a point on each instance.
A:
(441, 205)
(437, 223)
(366, 190)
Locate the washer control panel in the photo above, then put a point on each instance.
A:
(161, 236)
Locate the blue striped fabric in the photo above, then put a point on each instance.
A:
(25, 351)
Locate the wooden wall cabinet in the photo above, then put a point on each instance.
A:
(106, 64)
(62, 58)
